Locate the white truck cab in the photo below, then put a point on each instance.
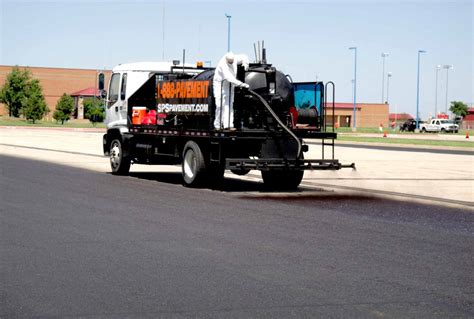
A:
(124, 81)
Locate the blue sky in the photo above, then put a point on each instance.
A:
(306, 39)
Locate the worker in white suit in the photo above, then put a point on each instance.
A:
(223, 85)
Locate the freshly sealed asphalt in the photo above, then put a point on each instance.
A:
(78, 243)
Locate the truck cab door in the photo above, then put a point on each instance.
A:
(431, 127)
(116, 102)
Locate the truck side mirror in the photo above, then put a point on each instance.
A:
(103, 94)
(101, 81)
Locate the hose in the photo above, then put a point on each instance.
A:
(279, 121)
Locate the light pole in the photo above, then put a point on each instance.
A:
(436, 92)
(384, 55)
(352, 88)
(228, 16)
(418, 91)
(447, 67)
(354, 127)
(389, 75)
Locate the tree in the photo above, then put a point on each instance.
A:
(14, 90)
(64, 108)
(459, 108)
(33, 106)
(94, 110)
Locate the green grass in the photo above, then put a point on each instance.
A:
(11, 121)
(405, 141)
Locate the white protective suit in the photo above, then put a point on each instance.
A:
(223, 85)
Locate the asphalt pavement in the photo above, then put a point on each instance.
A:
(82, 243)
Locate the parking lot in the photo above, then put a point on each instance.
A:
(79, 242)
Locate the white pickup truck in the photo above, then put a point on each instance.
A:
(439, 125)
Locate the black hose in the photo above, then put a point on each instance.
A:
(279, 121)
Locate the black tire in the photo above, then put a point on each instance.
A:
(193, 166)
(443, 130)
(456, 132)
(119, 163)
(423, 130)
(282, 180)
(240, 172)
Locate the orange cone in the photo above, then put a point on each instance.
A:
(384, 133)
(467, 134)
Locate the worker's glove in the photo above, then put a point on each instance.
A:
(244, 86)
(246, 66)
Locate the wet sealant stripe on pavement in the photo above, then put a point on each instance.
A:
(405, 195)
(312, 186)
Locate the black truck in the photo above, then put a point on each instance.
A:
(170, 121)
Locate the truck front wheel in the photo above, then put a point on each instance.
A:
(193, 165)
(119, 163)
(284, 180)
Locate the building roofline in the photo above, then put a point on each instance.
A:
(48, 67)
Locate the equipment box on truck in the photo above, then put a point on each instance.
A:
(167, 118)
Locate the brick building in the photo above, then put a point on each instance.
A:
(55, 82)
(79, 98)
(468, 120)
(367, 114)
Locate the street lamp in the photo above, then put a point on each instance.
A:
(447, 67)
(384, 55)
(436, 92)
(418, 91)
(228, 16)
(354, 127)
(389, 75)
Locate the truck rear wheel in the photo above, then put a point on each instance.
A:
(193, 165)
(284, 180)
(119, 163)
